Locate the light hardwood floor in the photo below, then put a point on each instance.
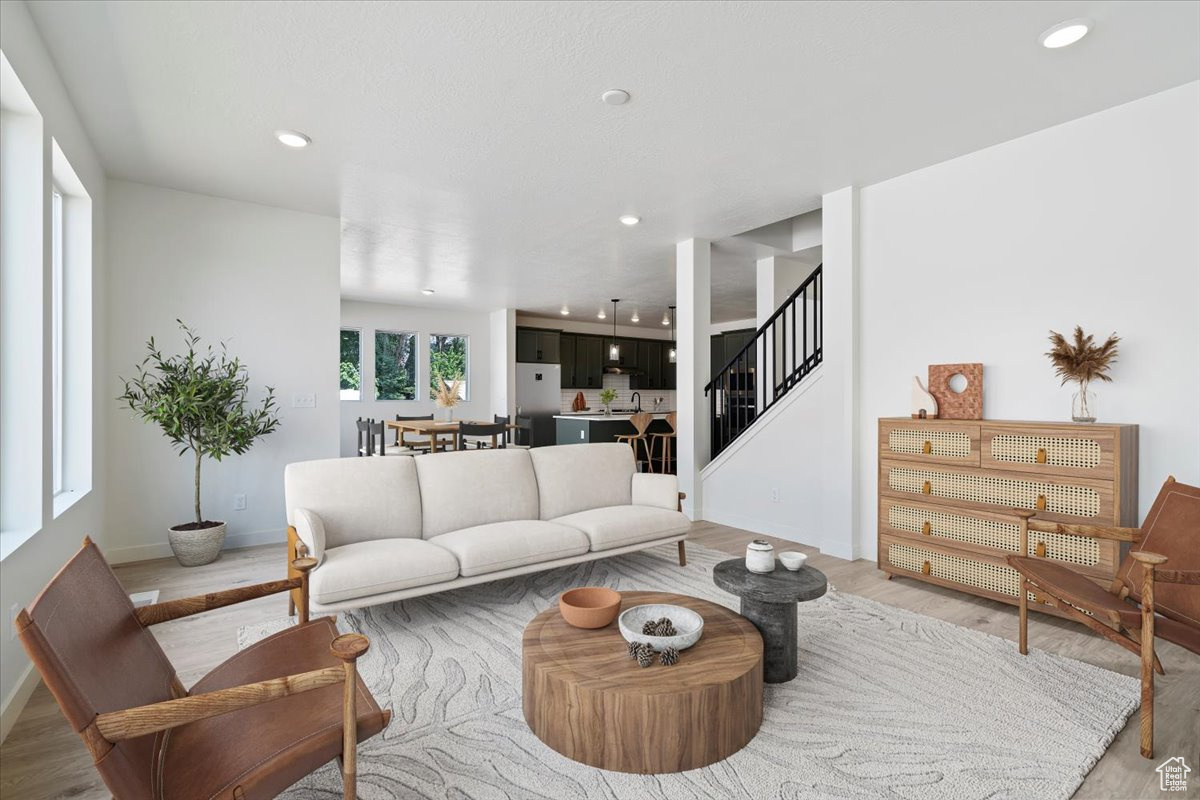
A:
(42, 758)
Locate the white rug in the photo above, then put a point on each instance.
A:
(888, 703)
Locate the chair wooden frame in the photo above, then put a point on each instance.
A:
(1106, 622)
(640, 421)
(115, 726)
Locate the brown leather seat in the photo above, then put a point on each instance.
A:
(1156, 592)
(265, 749)
(249, 729)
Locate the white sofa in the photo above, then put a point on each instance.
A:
(383, 529)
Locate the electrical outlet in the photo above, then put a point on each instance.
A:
(774, 495)
(581, 436)
(13, 610)
(239, 502)
(304, 400)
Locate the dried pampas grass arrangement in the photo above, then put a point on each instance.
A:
(446, 395)
(1082, 360)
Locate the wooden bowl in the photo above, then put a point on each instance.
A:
(589, 606)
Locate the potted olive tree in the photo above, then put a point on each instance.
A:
(199, 399)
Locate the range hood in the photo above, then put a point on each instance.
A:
(623, 371)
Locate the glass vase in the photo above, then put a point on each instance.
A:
(1083, 404)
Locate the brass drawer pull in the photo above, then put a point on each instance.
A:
(925, 528)
(927, 448)
(927, 488)
(925, 568)
(1041, 455)
(1040, 550)
(1041, 502)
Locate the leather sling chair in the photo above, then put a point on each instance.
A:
(250, 728)
(1156, 591)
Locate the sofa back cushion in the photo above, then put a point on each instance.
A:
(475, 487)
(357, 499)
(580, 477)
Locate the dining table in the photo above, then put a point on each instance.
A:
(436, 429)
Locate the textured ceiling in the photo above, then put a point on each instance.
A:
(465, 148)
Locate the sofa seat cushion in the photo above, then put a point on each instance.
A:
(363, 569)
(504, 545)
(618, 526)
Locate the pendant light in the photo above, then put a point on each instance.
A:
(671, 352)
(614, 351)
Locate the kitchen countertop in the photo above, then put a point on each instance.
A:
(599, 416)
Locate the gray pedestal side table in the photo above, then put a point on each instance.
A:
(769, 601)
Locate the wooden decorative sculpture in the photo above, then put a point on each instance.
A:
(967, 404)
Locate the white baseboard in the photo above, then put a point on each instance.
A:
(14, 704)
(147, 552)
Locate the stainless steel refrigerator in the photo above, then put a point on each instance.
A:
(539, 397)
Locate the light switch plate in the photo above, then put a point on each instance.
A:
(304, 400)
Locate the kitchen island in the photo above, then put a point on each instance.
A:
(592, 426)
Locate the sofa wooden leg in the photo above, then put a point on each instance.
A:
(682, 553)
(1023, 644)
(291, 604)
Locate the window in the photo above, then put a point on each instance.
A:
(395, 365)
(351, 366)
(448, 360)
(56, 337)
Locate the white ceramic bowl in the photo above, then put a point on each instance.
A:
(688, 623)
(792, 559)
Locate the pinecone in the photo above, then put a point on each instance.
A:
(645, 656)
(669, 656)
(635, 649)
(649, 627)
(666, 627)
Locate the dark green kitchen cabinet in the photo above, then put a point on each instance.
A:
(650, 363)
(537, 346)
(566, 351)
(589, 362)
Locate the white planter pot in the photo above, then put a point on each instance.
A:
(192, 548)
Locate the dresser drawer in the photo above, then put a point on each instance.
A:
(991, 575)
(934, 442)
(1077, 452)
(1057, 499)
(995, 534)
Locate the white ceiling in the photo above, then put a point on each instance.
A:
(465, 147)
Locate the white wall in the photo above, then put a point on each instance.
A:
(266, 282)
(1090, 223)
(26, 570)
(369, 317)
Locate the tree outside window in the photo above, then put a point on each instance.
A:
(395, 365)
(448, 360)
(351, 364)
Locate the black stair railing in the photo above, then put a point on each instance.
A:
(780, 354)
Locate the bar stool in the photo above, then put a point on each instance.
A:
(640, 422)
(666, 444)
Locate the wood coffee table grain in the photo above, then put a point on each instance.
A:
(584, 697)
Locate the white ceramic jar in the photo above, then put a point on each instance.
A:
(760, 556)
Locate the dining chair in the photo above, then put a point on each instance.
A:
(481, 434)
(368, 431)
(524, 426)
(666, 444)
(260, 721)
(640, 421)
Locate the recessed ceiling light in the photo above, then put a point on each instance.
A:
(635, 319)
(601, 315)
(1065, 33)
(629, 219)
(615, 97)
(293, 138)
(427, 291)
(566, 312)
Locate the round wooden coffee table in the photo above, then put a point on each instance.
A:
(584, 697)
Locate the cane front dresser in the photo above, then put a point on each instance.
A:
(947, 490)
